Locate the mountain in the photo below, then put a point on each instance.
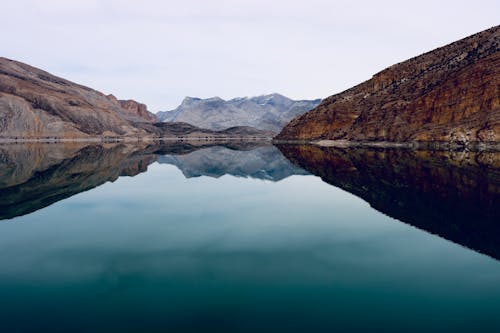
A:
(35, 104)
(453, 194)
(134, 109)
(449, 95)
(268, 112)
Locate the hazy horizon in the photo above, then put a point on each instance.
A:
(158, 52)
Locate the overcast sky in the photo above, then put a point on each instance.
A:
(157, 52)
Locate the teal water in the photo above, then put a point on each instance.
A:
(176, 251)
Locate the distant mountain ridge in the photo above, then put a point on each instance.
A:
(36, 105)
(266, 112)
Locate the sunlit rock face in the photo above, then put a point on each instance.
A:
(450, 94)
(135, 110)
(453, 194)
(37, 104)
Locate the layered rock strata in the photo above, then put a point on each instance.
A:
(451, 94)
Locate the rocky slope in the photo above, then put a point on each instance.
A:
(135, 110)
(37, 105)
(268, 112)
(34, 103)
(450, 94)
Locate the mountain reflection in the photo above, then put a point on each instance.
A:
(264, 162)
(452, 194)
(34, 176)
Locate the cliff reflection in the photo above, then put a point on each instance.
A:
(34, 176)
(452, 194)
(38, 175)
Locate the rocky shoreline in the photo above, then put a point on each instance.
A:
(415, 145)
(131, 139)
(429, 145)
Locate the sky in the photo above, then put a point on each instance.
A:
(158, 52)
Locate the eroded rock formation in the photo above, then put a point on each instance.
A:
(36, 104)
(451, 94)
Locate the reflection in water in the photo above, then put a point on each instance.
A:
(453, 194)
(36, 176)
(264, 162)
(158, 252)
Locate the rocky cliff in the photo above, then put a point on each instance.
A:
(134, 110)
(450, 94)
(36, 104)
(267, 112)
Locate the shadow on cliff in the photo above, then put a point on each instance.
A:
(451, 194)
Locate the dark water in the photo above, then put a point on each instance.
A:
(247, 238)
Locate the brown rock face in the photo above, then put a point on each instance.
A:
(134, 110)
(138, 110)
(36, 104)
(451, 94)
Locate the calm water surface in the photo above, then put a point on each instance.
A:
(246, 239)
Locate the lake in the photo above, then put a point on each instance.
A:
(247, 237)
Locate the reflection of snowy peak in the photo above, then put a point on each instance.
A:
(262, 163)
(267, 112)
